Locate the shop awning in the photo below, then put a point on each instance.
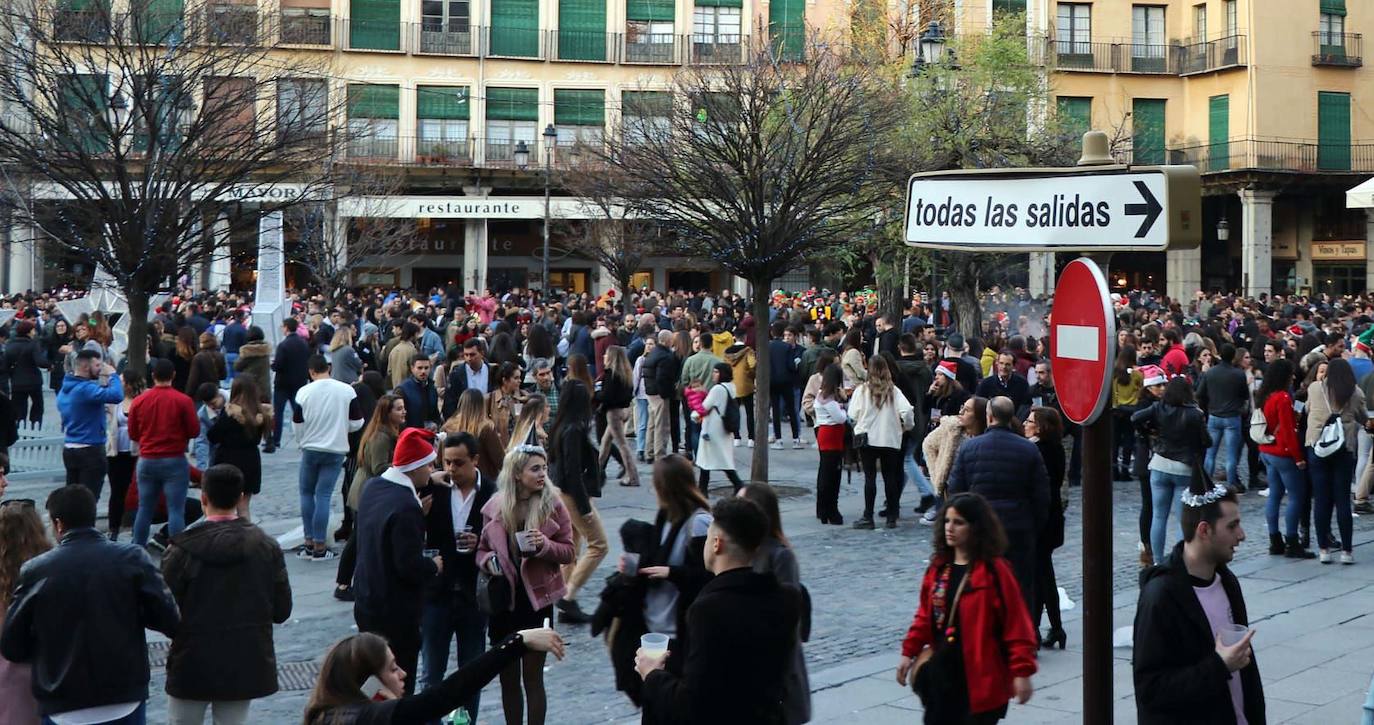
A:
(1361, 197)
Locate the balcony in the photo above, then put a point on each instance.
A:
(1340, 50)
(373, 35)
(652, 48)
(1276, 155)
(374, 149)
(1155, 59)
(1083, 56)
(81, 26)
(313, 30)
(231, 25)
(1212, 55)
(584, 46)
(501, 153)
(718, 49)
(437, 151)
(513, 43)
(433, 37)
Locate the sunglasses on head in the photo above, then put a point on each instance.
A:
(20, 502)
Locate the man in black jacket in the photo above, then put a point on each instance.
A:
(392, 570)
(454, 520)
(78, 617)
(1007, 470)
(1224, 394)
(475, 372)
(1005, 381)
(229, 579)
(743, 632)
(1183, 671)
(422, 400)
(288, 363)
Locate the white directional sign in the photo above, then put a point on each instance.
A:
(1106, 208)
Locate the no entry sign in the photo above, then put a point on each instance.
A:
(1082, 341)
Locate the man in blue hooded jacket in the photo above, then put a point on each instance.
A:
(85, 393)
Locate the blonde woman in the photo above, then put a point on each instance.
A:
(852, 360)
(530, 425)
(470, 416)
(881, 414)
(526, 504)
(344, 364)
(615, 396)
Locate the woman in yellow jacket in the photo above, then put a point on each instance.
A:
(742, 364)
(1126, 385)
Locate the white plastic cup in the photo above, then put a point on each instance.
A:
(654, 645)
(1232, 633)
(630, 563)
(525, 540)
(464, 529)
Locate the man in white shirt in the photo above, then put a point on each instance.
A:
(328, 411)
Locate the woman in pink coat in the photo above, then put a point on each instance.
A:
(526, 537)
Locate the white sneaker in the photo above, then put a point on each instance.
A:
(1264, 492)
(1324, 557)
(928, 518)
(1347, 557)
(736, 442)
(777, 444)
(796, 444)
(751, 442)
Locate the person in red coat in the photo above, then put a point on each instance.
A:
(989, 623)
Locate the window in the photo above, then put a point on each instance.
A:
(373, 120)
(158, 22)
(787, 26)
(1074, 32)
(1147, 130)
(1218, 133)
(1199, 23)
(85, 103)
(1075, 116)
(512, 117)
(441, 117)
(1232, 18)
(579, 116)
(1148, 46)
(446, 27)
(375, 24)
(645, 114)
(305, 26)
(302, 107)
(232, 23)
(649, 42)
(1333, 131)
(81, 20)
(1331, 33)
(515, 28)
(582, 30)
(716, 33)
(230, 107)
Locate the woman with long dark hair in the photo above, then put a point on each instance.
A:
(1336, 397)
(1285, 460)
(1045, 429)
(186, 348)
(238, 429)
(1126, 384)
(470, 416)
(827, 409)
(852, 360)
(1151, 391)
(121, 451)
(615, 396)
(971, 646)
(22, 538)
(1181, 439)
(575, 470)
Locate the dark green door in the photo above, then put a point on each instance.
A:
(515, 28)
(582, 30)
(787, 26)
(1219, 133)
(1075, 117)
(1333, 131)
(375, 25)
(1147, 137)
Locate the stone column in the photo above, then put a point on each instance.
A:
(1184, 272)
(1041, 280)
(475, 246)
(1257, 240)
(22, 245)
(1369, 249)
(221, 263)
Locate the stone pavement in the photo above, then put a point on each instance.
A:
(1313, 622)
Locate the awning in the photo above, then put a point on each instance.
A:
(1361, 197)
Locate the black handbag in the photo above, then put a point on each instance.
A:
(493, 593)
(939, 678)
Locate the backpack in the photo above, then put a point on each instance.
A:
(1259, 428)
(1332, 437)
(731, 416)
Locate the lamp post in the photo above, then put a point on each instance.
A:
(550, 139)
(929, 51)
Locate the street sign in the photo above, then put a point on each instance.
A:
(1082, 341)
(1089, 209)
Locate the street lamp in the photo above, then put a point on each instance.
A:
(929, 49)
(1223, 230)
(522, 155)
(550, 138)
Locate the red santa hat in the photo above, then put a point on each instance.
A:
(948, 368)
(414, 448)
(1153, 375)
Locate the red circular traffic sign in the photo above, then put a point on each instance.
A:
(1082, 341)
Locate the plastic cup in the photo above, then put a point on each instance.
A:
(654, 645)
(630, 563)
(525, 540)
(1232, 633)
(464, 529)
(430, 553)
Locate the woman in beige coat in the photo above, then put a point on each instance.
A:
(1333, 473)
(941, 444)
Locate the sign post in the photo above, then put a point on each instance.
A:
(1096, 208)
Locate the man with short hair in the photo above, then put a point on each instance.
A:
(543, 384)
(422, 400)
(162, 421)
(229, 580)
(1183, 671)
(289, 364)
(1224, 394)
(91, 386)
(1005, 381)
(233, 338)
(78, 616)
(743, 633)
(475, 372)
(329, 412)
(956, 351)
(697, 368)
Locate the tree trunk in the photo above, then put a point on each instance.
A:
(137, 354)
(968, 313)
(889, 276)
(623, 278)
(758, 471)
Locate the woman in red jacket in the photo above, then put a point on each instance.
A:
(1284, 460)
(971, 647)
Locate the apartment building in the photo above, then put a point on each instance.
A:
(1268, 99)
(455, 97)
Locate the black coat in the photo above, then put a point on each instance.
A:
(236, 444)
(1223, 391)
(744, 631)
(229, 579)
(1007, 470)
(615, 392)
(649, 370)
(78, 616)
(422, 402)
(1179, 433)
(458, 382)
(392, 571)
(1179, 677)
(574, 465)
(24, 361)
(293, 352)
(1015, 388)
(459, 578)
(1051, 535)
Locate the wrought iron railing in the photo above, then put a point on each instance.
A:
(1344, 50)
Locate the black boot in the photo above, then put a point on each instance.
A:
(570, 613)
(1295, 549)
(1275, 544)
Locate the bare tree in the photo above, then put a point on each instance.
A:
(611, 236)
(123, 132)
(761, 167)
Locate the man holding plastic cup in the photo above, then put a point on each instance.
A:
(1193, 660)
(743, 630)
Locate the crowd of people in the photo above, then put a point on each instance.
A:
(471, 435)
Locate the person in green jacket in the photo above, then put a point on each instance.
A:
(696, 368)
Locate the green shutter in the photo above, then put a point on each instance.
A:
(652, 10)
(719, 3)
(375, 24)
(1008, 6)
(579, 107)
(582, 30)
(1075, 116)
(1147, 120)
(513, 104)
(81, 6)
(787, 26)
(84, 97)
(159, 21)
(1333, 131)
(1333, 7)
(515, 28)
(373, 101)
(646, 104)
(441, 102)
(1218, 133)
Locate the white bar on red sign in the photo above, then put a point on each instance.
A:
(1077, 342)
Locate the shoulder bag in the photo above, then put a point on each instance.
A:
(1332, 437)
(938, 675)
(493, 592)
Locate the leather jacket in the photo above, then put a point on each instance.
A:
(78, 617)
(1179, 432)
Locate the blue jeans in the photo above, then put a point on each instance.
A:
(1331, 478)
(1284, 478)
(169, 477)
(438, 625)
(1166, 491)
(641, 423)
(1227, 431)
(138, 717)
(318, 473)
(279, 400)
(913, 471)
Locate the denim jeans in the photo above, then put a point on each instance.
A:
(166, 476)
(1224, 431)
(319, 472)
(1166, 497)
(913, 471)
(279, 400)
(641, 423)
(438, 625)
(1284, 478)
(1331, 478)
(229, 359)
(138, 717)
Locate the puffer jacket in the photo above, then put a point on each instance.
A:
(742, 364)
(1007, 470)
(1179, 432)
(940, 447)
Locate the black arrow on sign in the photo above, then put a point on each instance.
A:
(1150, 209)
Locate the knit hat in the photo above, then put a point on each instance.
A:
(414, 448)
(947, 368)
(1153, 375)
(1365, 342)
